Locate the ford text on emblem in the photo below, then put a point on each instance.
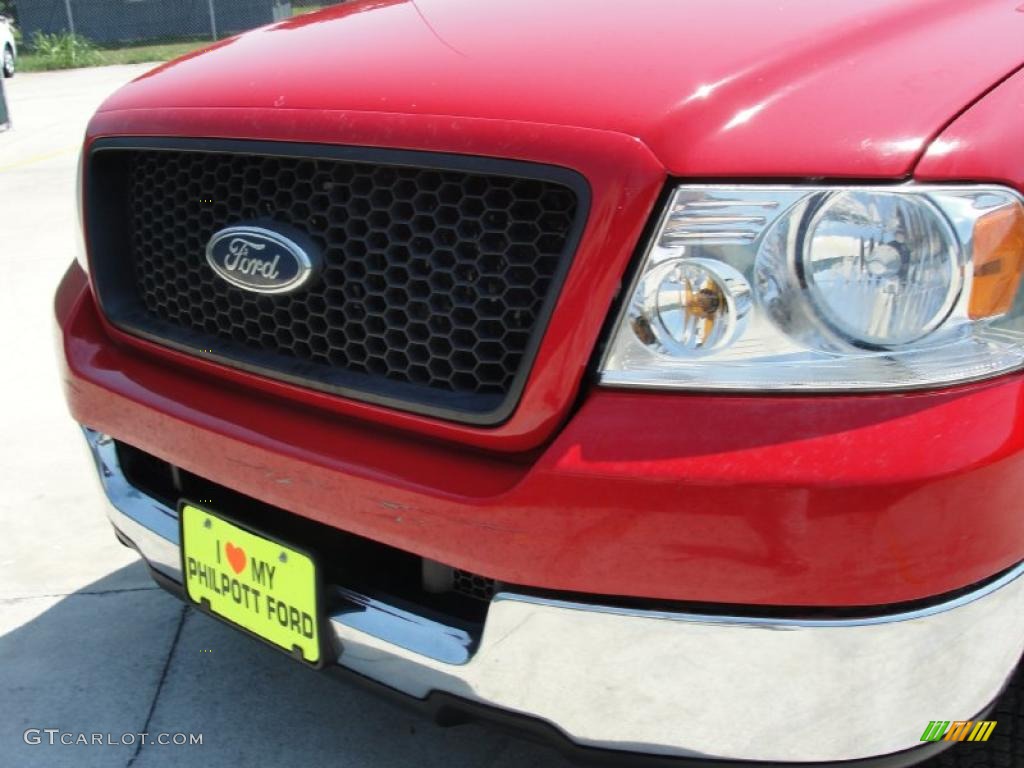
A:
(259, 259)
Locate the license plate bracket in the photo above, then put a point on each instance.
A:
(253, 581)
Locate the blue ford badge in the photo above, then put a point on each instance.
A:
(259, 259)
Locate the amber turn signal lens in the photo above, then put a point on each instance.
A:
(998, 261)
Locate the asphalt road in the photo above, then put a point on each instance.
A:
(87, 643)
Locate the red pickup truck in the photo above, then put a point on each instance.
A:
(646, 374)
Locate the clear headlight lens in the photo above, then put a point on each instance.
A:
(825, 288)
(882, 268)
(691, 305)
(80, 252)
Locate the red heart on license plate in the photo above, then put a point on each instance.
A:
(236, 557)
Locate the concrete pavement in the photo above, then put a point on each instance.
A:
(87, 643)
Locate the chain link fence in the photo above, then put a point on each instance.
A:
(112, 22)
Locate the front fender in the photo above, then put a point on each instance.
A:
(983, 143)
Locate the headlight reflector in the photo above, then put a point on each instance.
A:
(882, 268)
(689, 306)
(748, 287)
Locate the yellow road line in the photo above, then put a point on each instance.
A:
(39, 158)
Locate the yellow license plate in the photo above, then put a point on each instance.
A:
(258, 584)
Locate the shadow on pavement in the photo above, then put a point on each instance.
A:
(110, 659)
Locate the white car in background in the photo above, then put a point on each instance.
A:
(8, 48)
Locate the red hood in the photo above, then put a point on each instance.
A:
(713, 87)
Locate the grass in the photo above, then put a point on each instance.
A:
(63, 51)
(136, 54)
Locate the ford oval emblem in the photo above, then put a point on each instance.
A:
(261, 260)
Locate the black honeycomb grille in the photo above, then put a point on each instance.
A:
(435, 285)
(473, 585)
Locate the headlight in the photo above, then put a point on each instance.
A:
(825, 288)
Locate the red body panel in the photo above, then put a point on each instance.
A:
(493, 79)
(773, 500)
(624, 179)
(984, 144)
(784, 500)
(714, 87)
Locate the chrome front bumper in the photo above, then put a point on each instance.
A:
(709, 686)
